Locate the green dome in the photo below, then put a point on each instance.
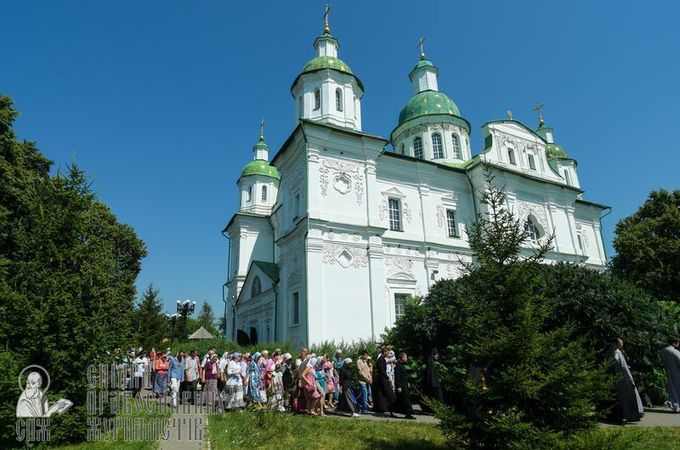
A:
(427, 103)
(423, 63)
(553, 151)
(260, 167)
(328, 62)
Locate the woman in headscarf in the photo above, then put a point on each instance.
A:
(320, 376)
(347, 402)
(211, 373)
(254, 379)
(308, 380)
(431, 385)
(233, 389)
(329, 373)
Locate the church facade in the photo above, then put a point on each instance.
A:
(336, 231)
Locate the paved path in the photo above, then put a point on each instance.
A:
(654, 417)
(186, 429)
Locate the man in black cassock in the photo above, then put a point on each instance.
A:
(383, 391)
(432, 388)
(347, 401)
(401, 386)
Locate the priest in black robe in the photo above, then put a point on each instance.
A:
(401, 386)
(383, 391)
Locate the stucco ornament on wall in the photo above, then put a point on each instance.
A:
(523, 210)
(344, 256)
(344, 177)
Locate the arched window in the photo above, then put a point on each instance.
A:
(437, 148)
(264, 193)
(257, 287)
(457, 154)
(338, 99)
(418, 148)
(317, 99)
(532, 162)
(531, 230)
(402, 149)
(511, 157)
(249, 193)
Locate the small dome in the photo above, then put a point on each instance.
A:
(328, 62)
(428, 103)
(553, 151)
(260, 167)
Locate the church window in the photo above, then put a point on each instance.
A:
(418, 148)
(296, 308)
(437, 149)
(264, 193)
(567, 177)
(338, 99)
(402, 149)
(256, 288)
(531, 230)
(511, 157)
(395, 214)
(580, 242)
(457, 154)
(317, 99)
(532, 162)
(399, 302)
(249, 194)
(451, 225)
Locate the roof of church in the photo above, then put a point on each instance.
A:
(428, 103)
(269, 269)
(260, 167)
(327, 62)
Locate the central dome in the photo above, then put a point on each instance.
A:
(427, 103)
(328, 62)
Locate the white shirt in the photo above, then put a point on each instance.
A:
(140, 366)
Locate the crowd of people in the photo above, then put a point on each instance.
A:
(316, 384)
(308, 383)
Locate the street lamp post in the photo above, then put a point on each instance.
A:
(184, 309)
(172, 318)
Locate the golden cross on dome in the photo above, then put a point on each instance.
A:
(421, 46)
(326, 10)
(539, 109)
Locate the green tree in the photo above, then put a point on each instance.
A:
(67, 278)
(150, 324)
(206, 318)
(647, 246)
(513, 381)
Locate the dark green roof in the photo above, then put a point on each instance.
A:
(428, 103)
(269, 269)
(328, 62)
(260, 167)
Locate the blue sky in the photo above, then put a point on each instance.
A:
(160, 101)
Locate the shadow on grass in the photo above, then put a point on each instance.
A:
(402, 443)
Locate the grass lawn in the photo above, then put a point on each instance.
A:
(143, 417)
(273, 430)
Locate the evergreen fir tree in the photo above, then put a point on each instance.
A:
(151, 325)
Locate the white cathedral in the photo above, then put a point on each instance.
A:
(336, 231)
